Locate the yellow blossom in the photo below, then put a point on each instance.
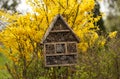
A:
(25, 32)
(83, 47)
(112, 34)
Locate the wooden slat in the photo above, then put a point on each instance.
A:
(60, 65)
(61, 42)
(45, 54)
(77, 53)
(60, 31)
(61, 54)
(66, 51)
(55, 47)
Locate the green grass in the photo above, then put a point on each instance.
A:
(3, 72)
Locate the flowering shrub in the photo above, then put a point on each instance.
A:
(22, 36)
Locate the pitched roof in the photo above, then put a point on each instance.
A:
(52, 25)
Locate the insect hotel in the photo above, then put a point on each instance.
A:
(60, 44)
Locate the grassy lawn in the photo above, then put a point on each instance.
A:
(3, 72)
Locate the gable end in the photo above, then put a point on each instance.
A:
(59, 25)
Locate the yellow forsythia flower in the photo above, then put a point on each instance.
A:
(112, 34)
(102, 42)
(83, 47)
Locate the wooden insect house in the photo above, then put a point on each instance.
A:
(60, 44)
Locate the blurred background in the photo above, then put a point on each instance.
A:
(110, 9)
